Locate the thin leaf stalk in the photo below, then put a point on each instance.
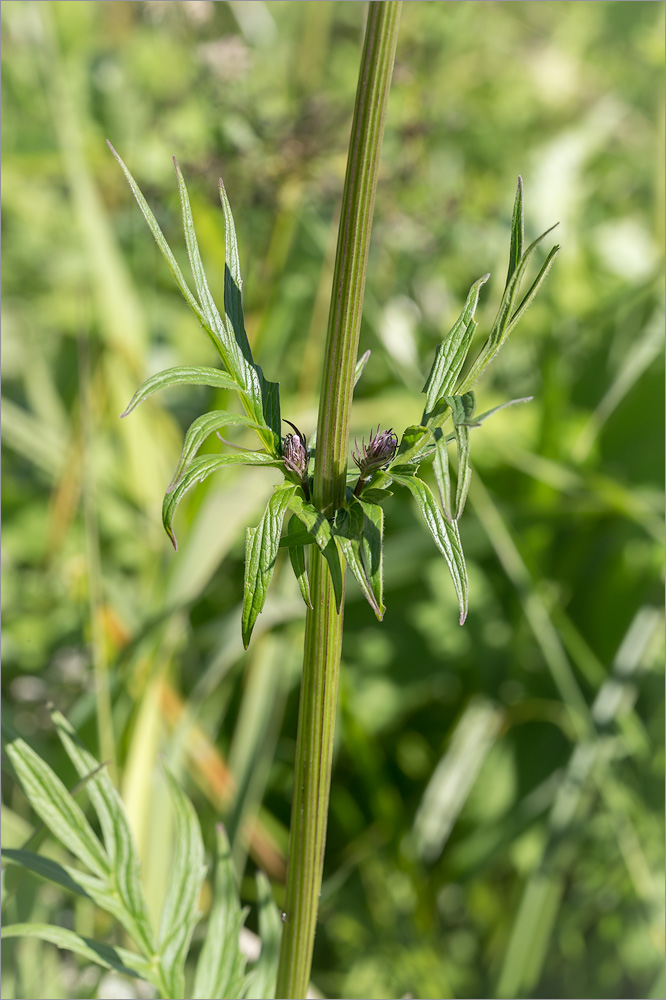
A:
(324, 624)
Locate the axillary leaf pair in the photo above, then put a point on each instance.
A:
(354, 535)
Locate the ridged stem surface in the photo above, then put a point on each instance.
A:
(323, 628)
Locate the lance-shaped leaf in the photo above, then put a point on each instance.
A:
(442, 469)
(180, 376)
(199, 430)
(261, 548)
(451, 353)
(201, 468)
(221, 966)
(109, 957)
(118, 840)
(507, 314)
(317, 525)
(462, 411)
(445, 534)
(359, 532)
(180, 911)
(517, 231)
(233, 308)
(46, 868)
(53, 803)
(262, 979)
(297, 557)
(479, 418)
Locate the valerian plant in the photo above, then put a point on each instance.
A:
(353, 534)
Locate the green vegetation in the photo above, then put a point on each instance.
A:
(495, 825)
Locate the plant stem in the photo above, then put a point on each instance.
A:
(323, 628)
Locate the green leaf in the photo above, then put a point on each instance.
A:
(317, 525)
(297, 557)
(200, 469)
(52, 801)
(45, 868)
(442, 471)
(359, 535)
(479, 418)
(517, 231)
(109, 957)
(199, 430)
(261, 548)
(181, 376)
(373, 495)
(233, 307)
(445, 534)
(221, 966)
(451, 353)
(180, 912)
(360, 366)
(162, 244)
(262, 979)
(297, 537)
(506, 318)
(125, 873)
(462, 411)
(415, 445)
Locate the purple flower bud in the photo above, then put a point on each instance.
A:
(295, 453)
(379, 450)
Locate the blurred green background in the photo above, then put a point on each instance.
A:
(496, 812)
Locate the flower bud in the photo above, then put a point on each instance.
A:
(295, 454)
(379, 450)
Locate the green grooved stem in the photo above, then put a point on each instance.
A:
(323, 627)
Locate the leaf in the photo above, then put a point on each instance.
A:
(360, 366)
(200, 469)
(233, 307)
(162, 244)
(110, 957)
(45, 868)
(462, 410)
(506, 318)
(320, 529)
(199, 430)
(52, 801)
(180, 376)
(297, 557)
(451, 353)
(262, 979)
(415, 444)
(479, 418)
(517, 231)
(261, 548)
(363, 555)
(373, 495)
(180, 912)
(445, 534)
(221, 965)
(124, 862)
(297, 537)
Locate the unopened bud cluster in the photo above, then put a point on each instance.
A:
(295, 453)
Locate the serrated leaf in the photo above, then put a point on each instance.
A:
(451, 353)
(108, 956)
(360, 366)
(52, 801)
(297, 557)
(124, 862)
(199, 470)
(317, 525)
(202, 428)
(262, 979)
(221, 965)
(445, 534)
(183, 375)
(517, 231)
(261, 548)
(180, 912)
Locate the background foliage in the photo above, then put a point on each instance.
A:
(496, 812)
